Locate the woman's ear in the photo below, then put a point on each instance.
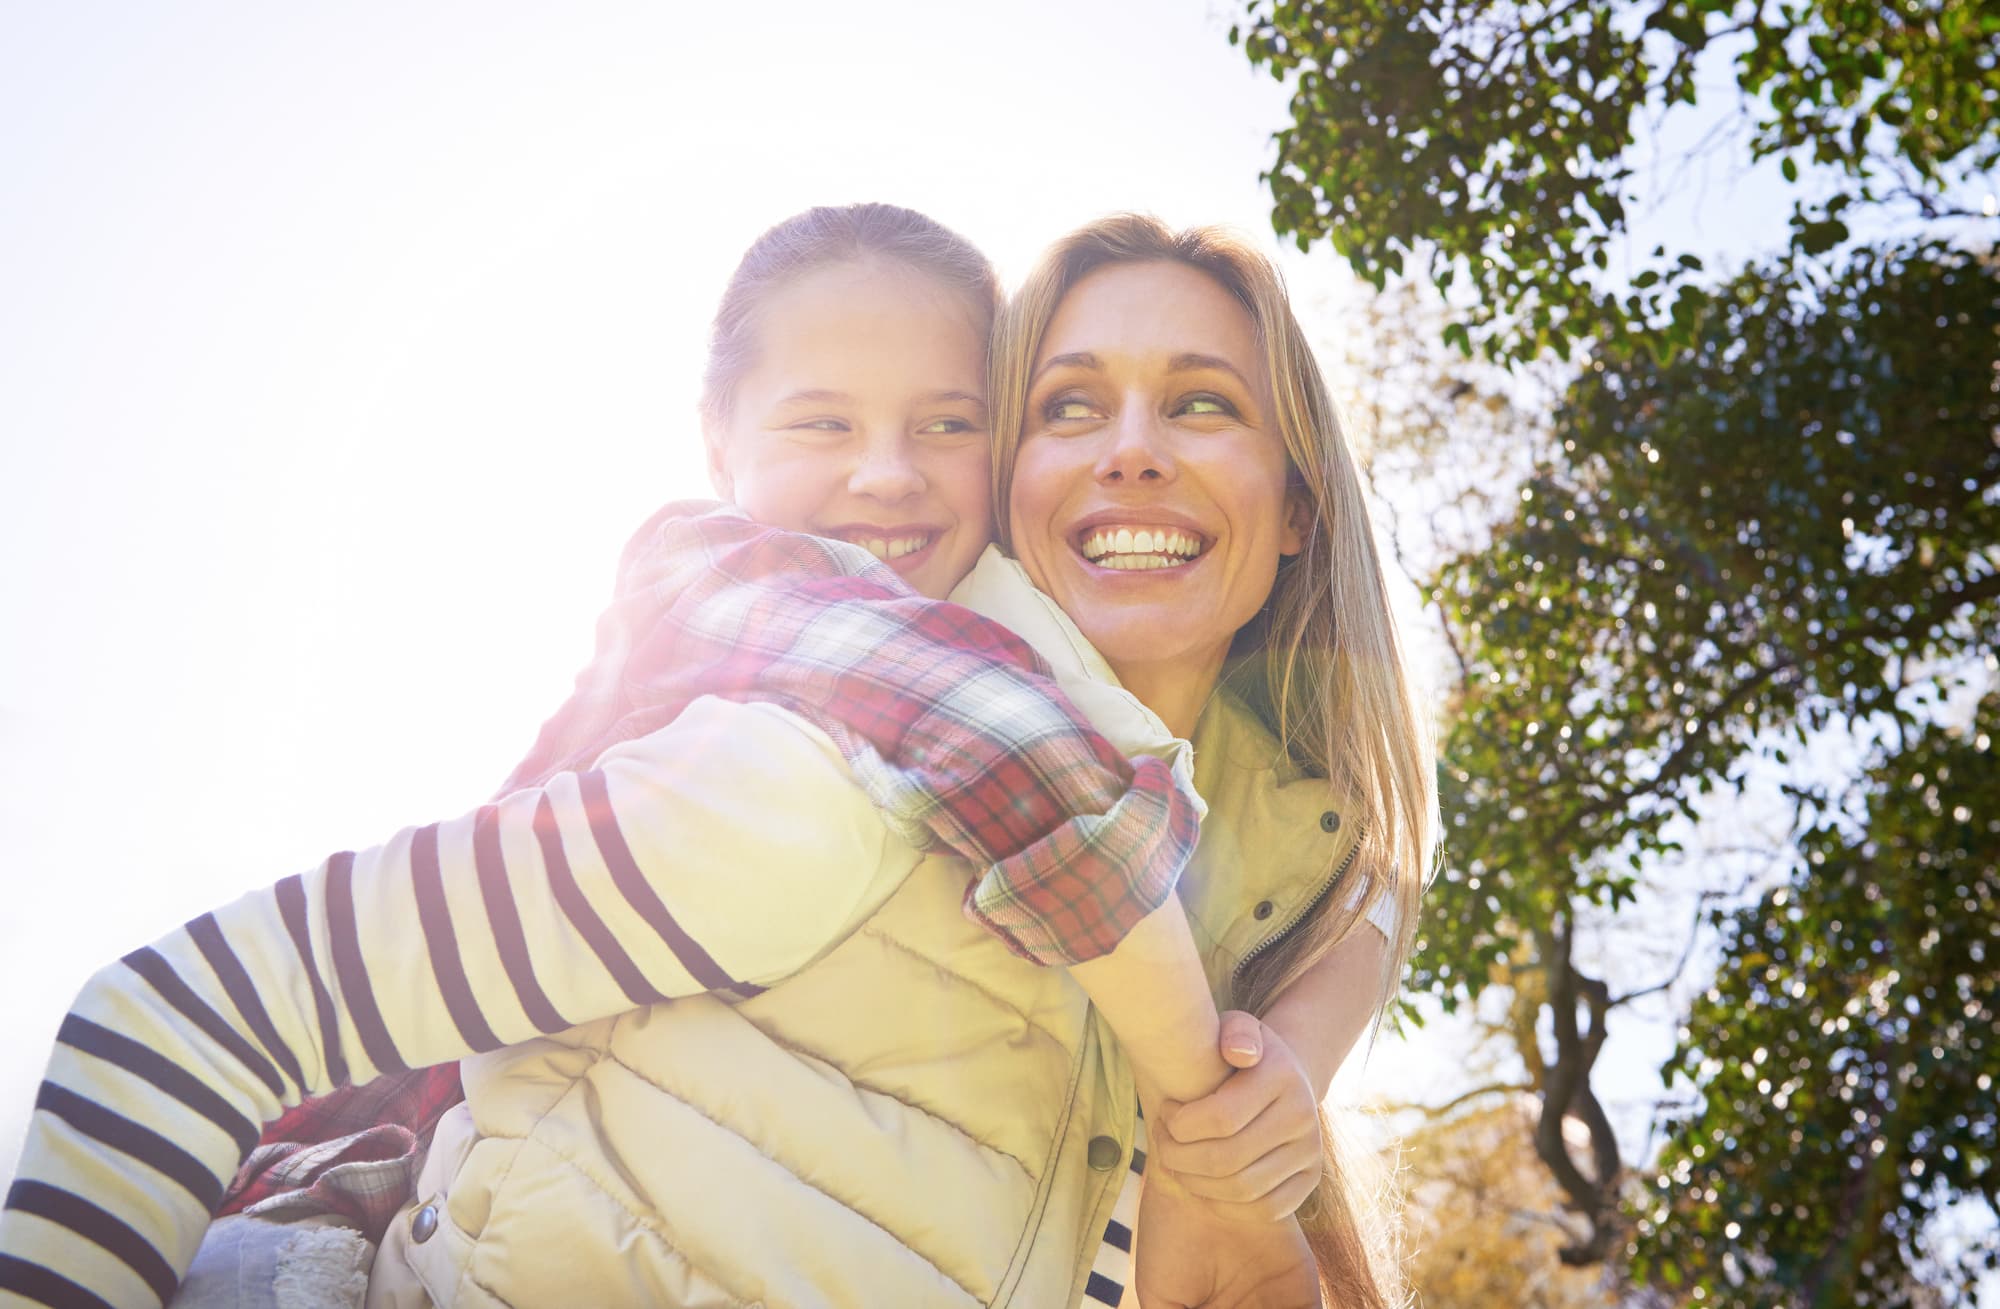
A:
(719, 475)
(1298, 520)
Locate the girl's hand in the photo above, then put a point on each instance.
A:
(1250, 1151)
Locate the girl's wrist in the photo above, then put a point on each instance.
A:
(1181, 1065)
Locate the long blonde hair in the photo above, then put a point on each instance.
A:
(1323, 663)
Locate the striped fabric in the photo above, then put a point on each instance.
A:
(1111, 1270)
(586, 896)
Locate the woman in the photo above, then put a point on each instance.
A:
(1148, 380)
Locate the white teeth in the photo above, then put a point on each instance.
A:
(1126, 549)
(891, 547)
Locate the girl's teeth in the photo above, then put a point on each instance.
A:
(883, 547)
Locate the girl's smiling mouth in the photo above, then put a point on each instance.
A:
(899, 547)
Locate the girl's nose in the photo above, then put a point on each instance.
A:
(885, 471)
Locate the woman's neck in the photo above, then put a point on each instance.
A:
(1174, 691)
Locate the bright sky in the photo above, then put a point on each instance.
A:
(340, 349)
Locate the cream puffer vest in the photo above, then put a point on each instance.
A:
(918, 1117)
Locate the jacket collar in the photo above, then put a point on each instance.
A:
(1274, 842)
(998, 588)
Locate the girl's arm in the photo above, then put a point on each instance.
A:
(953, 725)
(1252, 1149)
(1230, 1169)
(1153, 993)
(602, 891)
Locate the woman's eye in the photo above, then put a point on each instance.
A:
(1205, 405)
(1067, 410)
(947, 427)
(820, 425)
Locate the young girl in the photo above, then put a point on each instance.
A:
(660, 867)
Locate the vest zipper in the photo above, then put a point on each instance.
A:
(1236, 973)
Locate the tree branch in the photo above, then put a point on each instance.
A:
(1445, 1110)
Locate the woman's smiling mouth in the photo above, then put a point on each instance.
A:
(1132, 549)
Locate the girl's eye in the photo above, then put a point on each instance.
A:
(1206, 405)
(1067, 409)
(947, 427)
(820, 425)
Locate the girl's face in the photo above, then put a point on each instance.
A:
(864, 418)
(1149, 496)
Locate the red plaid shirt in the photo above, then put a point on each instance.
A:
(949, 721)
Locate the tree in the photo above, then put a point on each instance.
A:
(1751, 549)
(1484, 1219)
(1493, 142)
(1693, 592)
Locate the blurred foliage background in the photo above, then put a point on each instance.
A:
(1713, 553)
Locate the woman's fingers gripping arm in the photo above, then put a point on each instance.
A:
(1252, 1148)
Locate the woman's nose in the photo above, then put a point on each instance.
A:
(1136, 450)
(885, 471)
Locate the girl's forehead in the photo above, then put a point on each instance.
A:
(871, 287)
(865, 335)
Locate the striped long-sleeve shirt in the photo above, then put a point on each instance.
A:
(614, 885)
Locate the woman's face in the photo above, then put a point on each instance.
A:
(1149, 496)
(863, 417)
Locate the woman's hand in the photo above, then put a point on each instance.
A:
(1186, 1256)
(1251, 1150)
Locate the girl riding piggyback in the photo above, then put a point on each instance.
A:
(819, 951)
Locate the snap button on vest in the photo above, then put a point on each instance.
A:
(1104, 1153)
(423, 1223)
(1329, 821)
(1262, 911)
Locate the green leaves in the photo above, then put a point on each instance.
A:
(1497, 140)
(1723, 550)
(1413, 139)
(1816, 238)
(1846, 1054)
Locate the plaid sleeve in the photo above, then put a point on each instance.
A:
(952, 724)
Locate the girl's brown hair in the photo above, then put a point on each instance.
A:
(817, 238)
(1323, 664)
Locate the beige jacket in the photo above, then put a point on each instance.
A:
(915, 1117)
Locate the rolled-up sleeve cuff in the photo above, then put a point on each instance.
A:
(1075, 894)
